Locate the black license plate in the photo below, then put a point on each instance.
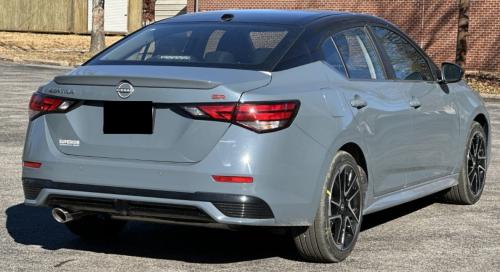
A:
(128, 118)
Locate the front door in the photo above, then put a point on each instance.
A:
(434, 116)
(436, 126)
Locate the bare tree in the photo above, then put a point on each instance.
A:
(97, 42)
(148, 12)
(463, 32)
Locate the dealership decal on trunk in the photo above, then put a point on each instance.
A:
(74, 143)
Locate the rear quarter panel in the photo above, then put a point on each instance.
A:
(323, 116)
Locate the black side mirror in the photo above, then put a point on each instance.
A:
(451, 73)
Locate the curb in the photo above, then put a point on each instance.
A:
(490, 97)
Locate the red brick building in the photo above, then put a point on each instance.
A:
(432, 23)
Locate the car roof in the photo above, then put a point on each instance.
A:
(286, 17)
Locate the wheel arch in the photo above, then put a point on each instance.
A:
(352, 144)
(483, 121)
(358, 154)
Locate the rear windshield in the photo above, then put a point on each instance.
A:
(223, 45)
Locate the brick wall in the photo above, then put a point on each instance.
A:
(484, 39)
(431, 23)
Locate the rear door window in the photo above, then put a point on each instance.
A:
(332, 57)
(407, 62)
(359, 54)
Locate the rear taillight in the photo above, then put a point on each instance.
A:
(257, 116)
(40, 104)
(265, 117)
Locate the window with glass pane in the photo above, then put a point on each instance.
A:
(407, 62)
(239, 46)
(359, 54)
(332, 57)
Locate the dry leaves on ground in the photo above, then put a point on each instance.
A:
(64, 48)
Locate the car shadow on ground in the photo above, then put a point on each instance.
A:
(35, 226)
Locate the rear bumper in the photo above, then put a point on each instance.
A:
(176, 206)
(286, 167)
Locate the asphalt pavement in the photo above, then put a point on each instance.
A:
(423, 235)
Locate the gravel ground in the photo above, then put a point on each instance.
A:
(423, 235)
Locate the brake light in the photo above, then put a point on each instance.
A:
(40, 104)
(265, 117)
(222, 112)
(257, 116)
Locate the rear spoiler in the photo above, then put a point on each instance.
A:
(136, 81)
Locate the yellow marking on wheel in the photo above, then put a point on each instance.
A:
(328, 193)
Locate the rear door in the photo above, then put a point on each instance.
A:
(434, 115)
(380, 108)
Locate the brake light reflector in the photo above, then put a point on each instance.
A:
(233, 179)
(32, 164)
(257, 116)
(40, 103)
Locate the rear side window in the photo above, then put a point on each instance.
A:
(240, 46)
(332, 57)
(407, 62)
(359, 54)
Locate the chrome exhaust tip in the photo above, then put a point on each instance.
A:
(64, 216)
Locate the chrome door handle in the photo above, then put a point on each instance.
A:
(415, 103)
(358, 103)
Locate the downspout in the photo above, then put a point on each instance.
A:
(422, 25)
(196, 6)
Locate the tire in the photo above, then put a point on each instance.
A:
(96, 226)
(468, 190)
(324, 241)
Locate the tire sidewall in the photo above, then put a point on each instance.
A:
(463, 179)
(340, 159)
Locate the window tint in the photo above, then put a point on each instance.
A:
(213, 41)
(359, 55)
(306, 49)
(407, 62)
(332, 57)
(239, 46)
(264, 42)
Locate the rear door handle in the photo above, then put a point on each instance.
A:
(358, 103)
(415, 103)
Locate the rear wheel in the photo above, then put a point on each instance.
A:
(473, 175)
(335, 230)
(96, 226)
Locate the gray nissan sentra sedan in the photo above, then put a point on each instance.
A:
(299, 119)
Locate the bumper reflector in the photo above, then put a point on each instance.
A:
(233, 179)
(32, 164)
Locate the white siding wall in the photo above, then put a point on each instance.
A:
(115, 16)
(169, 8)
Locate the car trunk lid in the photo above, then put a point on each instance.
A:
(174, 137)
